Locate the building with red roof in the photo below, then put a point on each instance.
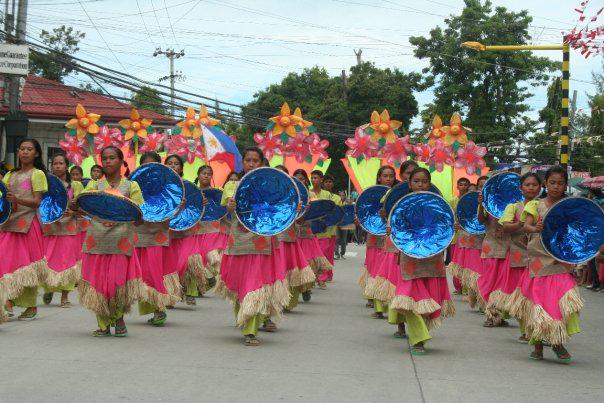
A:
(48, 105)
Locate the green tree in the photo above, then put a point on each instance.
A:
(56, 63)
(148, 98)
(489, 88)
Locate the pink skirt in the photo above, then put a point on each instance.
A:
(62, 252)
(457, 255)
(428, 296)
(311, 247)
(181, 249)
(388, 268)
(21, 250)
(547, 291)
(107, 273)
(152, 270)
(294, 256)
(242, 274)
(328, 247)
(372, 260)
(207, 243)
(491, 278)
(471, 259)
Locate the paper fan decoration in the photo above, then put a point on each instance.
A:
(136, 127)
(285, 124)
(382, 129)
(437, 132)
(471, 157)
(153, 142)
(75, 148)
(84, 123)
(317, 146)
(361, 146)
(107, 137)
(176, 144)
(269, 144)
(397, 151)
(189, 148)
(189, 127)
(299, 148)
(455, 134)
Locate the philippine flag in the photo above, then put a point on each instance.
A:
(220, 147)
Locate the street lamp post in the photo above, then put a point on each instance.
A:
(565, 48)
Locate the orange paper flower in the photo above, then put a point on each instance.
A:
(285, 122)
(190, 126)
(437, 132)
(84, 122)
(205, 118)
(305, 124)
(383, 127)
(135, 125)
(455, 131)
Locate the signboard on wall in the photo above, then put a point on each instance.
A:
(14, 59)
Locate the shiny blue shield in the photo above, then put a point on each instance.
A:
(163, 191)
(398, 192)
(499, 191)
(348, 218)
(573, 230)
(318, 226)
(318, 209)
(54, 202)
(368, 209)
(109, 207)
(267, 201)
(467, 209)
(192, 211)
(304, 196)
(334, 217)
(5, 207)
(213, 211)
(421, 224)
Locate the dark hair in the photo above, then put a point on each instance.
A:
(149, 155)
(3, 168)
(67, 174)
(38, 161)
(302, 172)
(381, 170)
(328, 177)
(77, 168)
(178, 158)
(420, 170)
(283, 168)
(317, 172)
(460, 180)
(120, 155)
(530, 175)
(231, 174)
(265, 162)
(201, 168)
(406, 165)
(556, 169)
(482, 178)
(253, 149)
(96, 166)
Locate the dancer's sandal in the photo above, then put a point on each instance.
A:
(269, 326)
(561, 353)
(251, 340)
(160, 319)
(418, 349)
(101, 333)
(28, 314)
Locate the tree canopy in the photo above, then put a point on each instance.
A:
(55, 65)
(148, 98)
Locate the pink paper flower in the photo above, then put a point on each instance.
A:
(269, 144)
(75, 149)
(194, 150)
(176, 144)
(397, 150)
(317, 146)
(441, 155)
(361, 145)
(297, 147)
(108, 137)
(422, 152)
(188, 148)
(471, 157)
(153, 142)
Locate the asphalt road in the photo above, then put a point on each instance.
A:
(328, 350)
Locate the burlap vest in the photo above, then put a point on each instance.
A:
(412, 268)
(495, 246)
(152, 234)
(20, 220)
(375, 241)
(465, 240)
(289, 235)
(518, 244)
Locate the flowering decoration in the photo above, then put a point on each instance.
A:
(397, 151)
(383, 129)
(441, 154)
(153, 142)
(436, 133)
(317, 146)
(285, 123)
(176, 144)
(269, 144)
(206, 119)
(84, 123)
(187, 148)
(135, 128)
(75, 149)
(361, 146)
(307, 127)
(298, 147)
(455, 132)
(189, 127)
(107, 137)
(471, 158)
(422, 152)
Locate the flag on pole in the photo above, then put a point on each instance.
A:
(220, 147)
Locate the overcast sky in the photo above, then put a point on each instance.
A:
(235, 48)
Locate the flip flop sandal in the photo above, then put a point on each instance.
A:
(522, 339)
(369, 304)
(251, 341)
(400, 335)
(190, 301)
(27, 315)
(160, 321)
(47, 298)
(537, 356)
(150, 321)
(562, 354)
(101, 333)
(65, 304)
(120, 331)
(269, 327)
(377, 315)
(418, 350)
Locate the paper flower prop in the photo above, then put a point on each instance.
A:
(206, 119)
(75, 149)
(190, 126)
(153, 142)
(298, 147)
(135, 128)
(441, 154)
(269, 144)
(422, 152)
(285, 123)
(397, 151)
(107, 137)
(471, 158)
(186, 148)
(307, 127)
(84, 123)
(317, 146)
(437, 132)
(176, 144)
(382, 129)
(361, 146)
(455, 132)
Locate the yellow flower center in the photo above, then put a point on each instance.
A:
(136, 125)
(205, 121)
(284, 121)
(191, 122)
(436, 133)
(84, 122)
(455, 129)
(384, 127)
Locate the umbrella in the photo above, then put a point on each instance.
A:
(596, 182)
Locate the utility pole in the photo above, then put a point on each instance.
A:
(573, 131)
(345, 94)
(358, 55)
(170, 54)
(20, 39)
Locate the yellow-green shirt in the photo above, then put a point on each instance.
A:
(136, 195)
(38, 180)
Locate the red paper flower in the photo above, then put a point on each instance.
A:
(471, 157)
(153, 142)
(422, 152)
(361, 145)
(297, 147)
(75, 149)
(397, 150)
(317, 146)
(108, 137)
(269, 144)
(441, 155)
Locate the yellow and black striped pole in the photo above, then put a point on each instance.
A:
(565, 105)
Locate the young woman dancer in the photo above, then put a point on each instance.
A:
(62, 242)
(111, 273)
(252, 272)
(554, 303)
(152, 243)
(422, 294)
(309, 243)
(508, 297)
(22, 233)
(462, 189)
